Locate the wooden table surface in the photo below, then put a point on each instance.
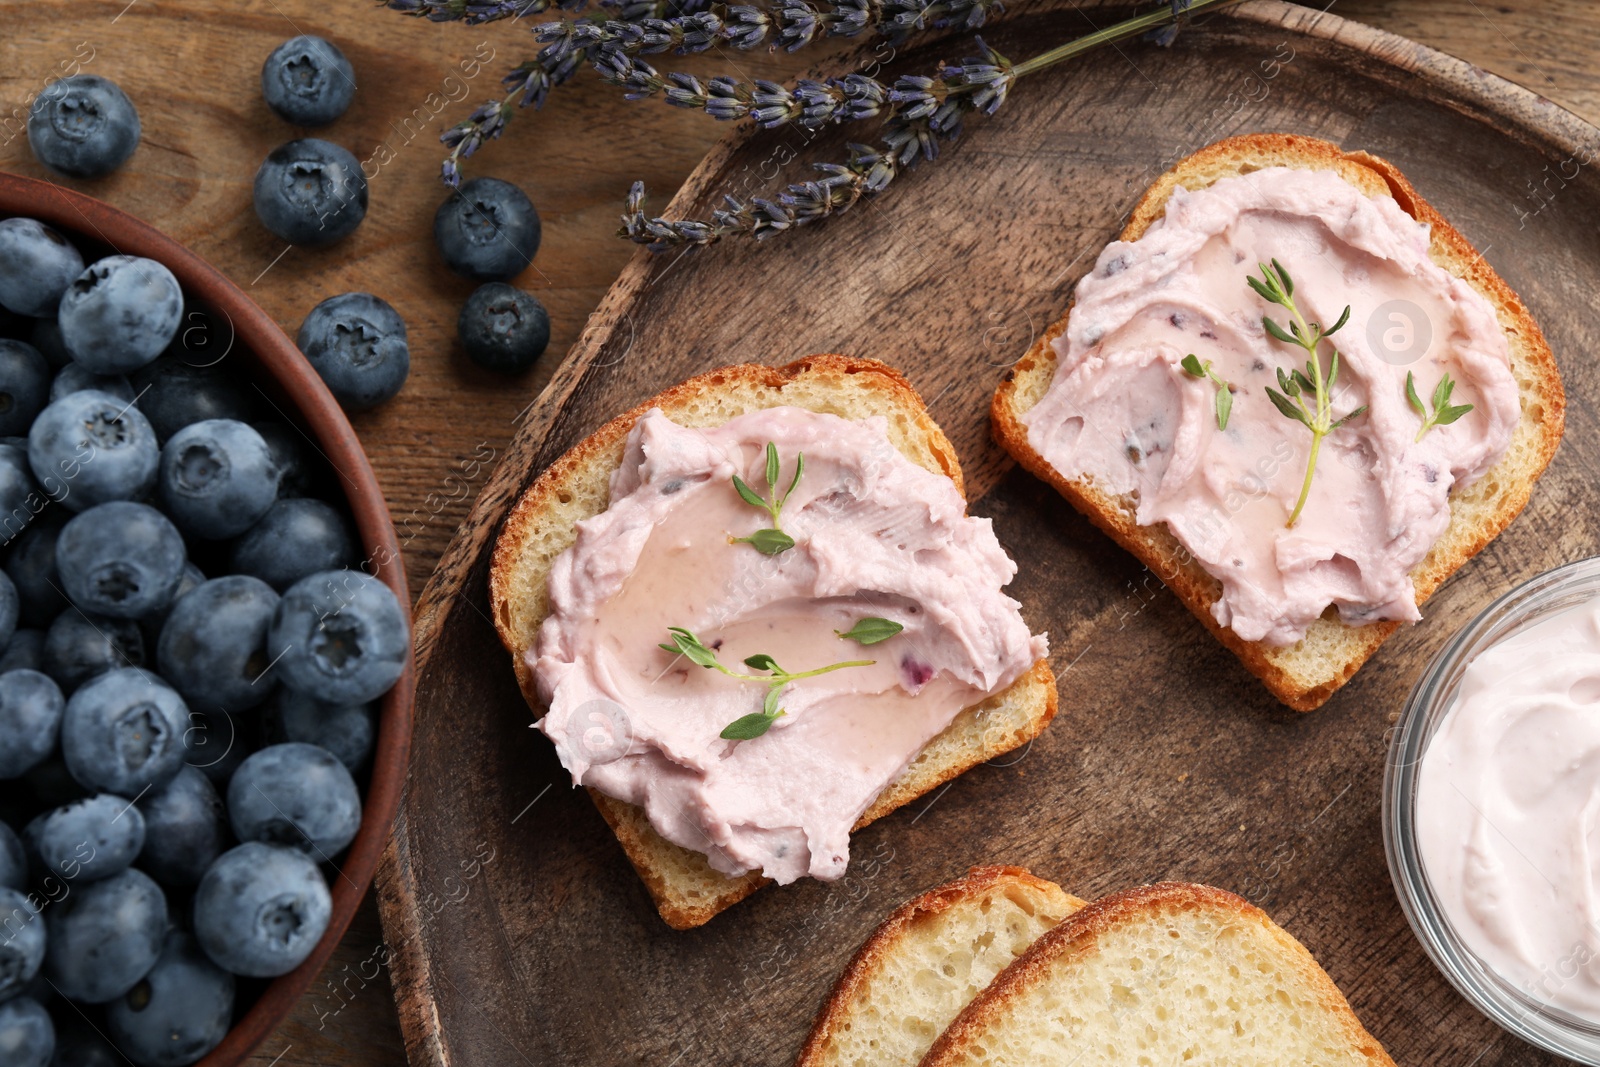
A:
(191, 66)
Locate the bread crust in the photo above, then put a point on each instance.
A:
(883, 942)
(687, 893)
(1079, 934)
(1543, 417)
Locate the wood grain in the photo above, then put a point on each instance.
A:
(191, 66)
(1168, 760)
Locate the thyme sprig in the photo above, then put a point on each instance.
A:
(924, 111)
(1276, 287)
(1444, 412)
(773, 540)
(747, 727)
(1224, 405)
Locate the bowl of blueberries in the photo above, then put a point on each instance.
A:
(205, 651)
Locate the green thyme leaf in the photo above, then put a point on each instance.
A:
(799, 469)
(763, 662)
(1286, 406)
(1224, 405)
(1358, 411)
(689, 646)
(772, 465)
(748, 493)
(769, 703)
(1451, 414)
(748, 727)
(1442, 391)
(1411, 395)
(1275, 330)
(870, 631)
(1444, 412)
(1286, 282)
(1344, 318)
(1262, 291)
(768, 542)
(1191, 363)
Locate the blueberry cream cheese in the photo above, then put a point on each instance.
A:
(1410, 395)
(764, 627)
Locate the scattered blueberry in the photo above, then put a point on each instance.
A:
(46, 337)
(24, 385)
(19, 500)
(178, 1012)
(184, 829)
(503, 329)
(487, 231)
(22, 947)
(307, 81)
(27, 1036)
(340, 636)
(120, 559)
(25, 651)
(31, 708)
(78, 647)
(213, 648)
(174, 394)
(104, 936)
(357, 343)
(83, 126)
(36, 266)
(89, 447)
(298, 795)
(124, 731)
(75, 378)
(346, 730)
(215, 744)
(88, 839)
(10, 609)
(217, 478)
(31, 567)
(261, 909)
(310, 192)
(13, 860)
(120, 313)
(297, 537)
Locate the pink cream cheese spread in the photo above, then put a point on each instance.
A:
(1122, 414)
(875, 536)
(1508, 810)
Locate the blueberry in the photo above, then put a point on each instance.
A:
(295, 538)
(22, 947)
(178, 1012)
(120, 559)
(104, 936)
(31, 708)
(346, 730)
(120, 313)
(215, 744)
(357, 343)
(25, 651)
(184, 831)
(307, 81)
(27, 1036)
(36, 266)
(261, 909)
(46, 337)
(503, 329)
(295, 794)
(173, 394)
(217, 478)
(88, 839)
(487, 231)
(13, 860)
(75, 378)
(213, 648)
(10, 609)
(78, 647)
(310, 192)
(20, 499)
(31, 566)
(89, 447)
(296, 477)
(24, 385)
(124, 732)
(340, 636)
(83, 126)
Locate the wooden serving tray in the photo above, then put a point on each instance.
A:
(519, 932)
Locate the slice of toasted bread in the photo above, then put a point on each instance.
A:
(1169, 973)
(926, 962)
(687, 892)
(1305, 674)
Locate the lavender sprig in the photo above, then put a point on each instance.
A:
(477, 12)
(925, 110)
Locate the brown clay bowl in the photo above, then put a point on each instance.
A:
(264, 354)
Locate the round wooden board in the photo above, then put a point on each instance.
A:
(520, 932)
